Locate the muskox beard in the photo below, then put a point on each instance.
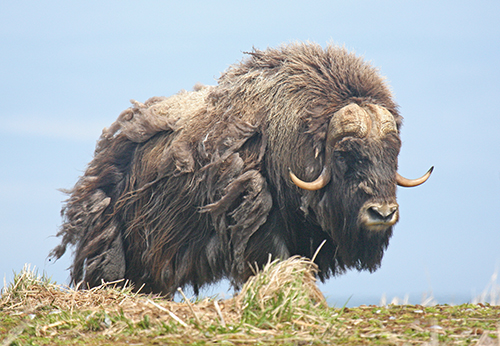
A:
(355, 246)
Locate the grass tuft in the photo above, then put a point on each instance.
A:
(282, 292)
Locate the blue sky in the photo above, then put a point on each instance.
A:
(67, 69)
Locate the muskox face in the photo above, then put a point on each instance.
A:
(356, 191)
(363, 183)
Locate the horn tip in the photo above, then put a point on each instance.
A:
(404, 182)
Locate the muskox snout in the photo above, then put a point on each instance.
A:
(379, 216)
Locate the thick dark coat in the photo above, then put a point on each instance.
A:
(194, 188)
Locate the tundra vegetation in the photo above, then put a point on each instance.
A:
(280, 304)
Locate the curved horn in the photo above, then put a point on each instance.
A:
(351, 120)
(402, 181)
(319, 183)
(383, 121)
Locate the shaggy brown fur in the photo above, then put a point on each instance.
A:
(195, 187)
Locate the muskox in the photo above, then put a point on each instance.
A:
(293, 148)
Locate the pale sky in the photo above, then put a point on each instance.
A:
(67, 69)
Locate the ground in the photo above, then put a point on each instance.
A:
(280, 305)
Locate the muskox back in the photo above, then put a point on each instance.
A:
(195, 187)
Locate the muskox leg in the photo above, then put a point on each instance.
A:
(106, 266)
(268, 241)
(99, 253)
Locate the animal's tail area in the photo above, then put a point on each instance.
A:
(91, 222)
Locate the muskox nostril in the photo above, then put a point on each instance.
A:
(383, 213)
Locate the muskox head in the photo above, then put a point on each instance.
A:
(356, 189)
(362, 146)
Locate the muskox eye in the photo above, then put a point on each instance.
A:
(341, 160)
(340, 157)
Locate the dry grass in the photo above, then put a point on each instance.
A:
(282, 294)
(279, 305)
(491, 294)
